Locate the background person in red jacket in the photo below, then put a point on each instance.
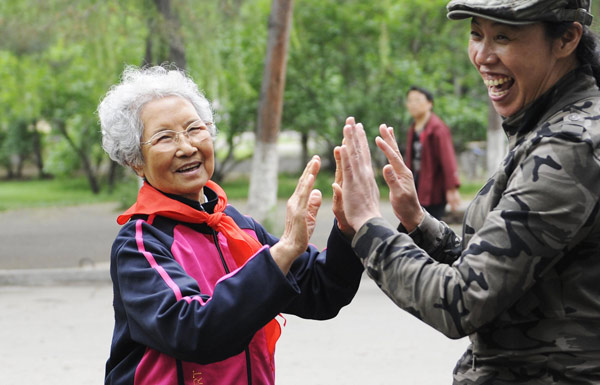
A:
(430, 155)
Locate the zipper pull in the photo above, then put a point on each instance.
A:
(473, 366)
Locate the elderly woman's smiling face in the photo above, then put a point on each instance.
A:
(517, 63)
(176, 163)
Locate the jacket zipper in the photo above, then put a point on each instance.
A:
(248, 369)
(247, 350)
(216, 241)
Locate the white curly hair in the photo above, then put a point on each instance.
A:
(120, 109)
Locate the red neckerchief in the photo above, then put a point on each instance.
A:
(150, 201)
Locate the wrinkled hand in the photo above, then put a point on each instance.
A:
(300, 219)
(403, 194)
(338, 202)
(359, 191)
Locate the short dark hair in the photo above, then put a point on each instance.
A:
(423, 91)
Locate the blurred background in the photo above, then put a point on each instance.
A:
(60, 193)
(59, 57)
(351, 57)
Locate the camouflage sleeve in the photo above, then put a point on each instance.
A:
(537, 220)
(437, 239)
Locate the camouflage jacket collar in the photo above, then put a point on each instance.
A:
(574, 86)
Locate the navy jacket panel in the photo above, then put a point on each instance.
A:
(206, 330)
(158, 305)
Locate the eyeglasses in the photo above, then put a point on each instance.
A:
(196, 132)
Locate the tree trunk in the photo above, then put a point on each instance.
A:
(20, 164)
(263, 180)
(172, 33)
(37, 151)
(148, 49)
(83, 156)
(496, 140)
(164, 42)
(113, 174)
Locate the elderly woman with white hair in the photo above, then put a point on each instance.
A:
(197, 285)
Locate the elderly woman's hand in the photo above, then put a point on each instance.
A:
(338, 202)
(360, 194)
(300, 220)
(403, 194)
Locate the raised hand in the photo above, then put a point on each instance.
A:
(338, 202)
(360, 194)
(300, 219)
(403, 194)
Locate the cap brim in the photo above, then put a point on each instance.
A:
(464, 14)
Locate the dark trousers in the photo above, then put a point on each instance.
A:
(436, 210)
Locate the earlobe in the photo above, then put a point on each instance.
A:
(138, 170)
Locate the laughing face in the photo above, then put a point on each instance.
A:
(517, 63)
(184, 166)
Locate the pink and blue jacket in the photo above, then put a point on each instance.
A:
(185, 314)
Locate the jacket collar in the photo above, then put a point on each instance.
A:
(572, 87)
(209, 206)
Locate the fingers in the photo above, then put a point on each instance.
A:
(387, 133)
(314, 202)
(387, 144)
(307, 179)
(338, 203)
(358, 143)
(338, 165)
(358, 196)
(337, 194)
(305, 199)
(312, 167)
(390, 177)
(355, 153)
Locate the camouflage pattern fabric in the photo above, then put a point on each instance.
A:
(524, 281)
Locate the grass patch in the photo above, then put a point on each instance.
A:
(75, 191)
(238, 188)
(55, 192)
(468, 190)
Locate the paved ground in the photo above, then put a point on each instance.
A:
(60, 335)
(57, 237)
(56, 319)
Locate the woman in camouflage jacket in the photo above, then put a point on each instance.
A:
(522, 282)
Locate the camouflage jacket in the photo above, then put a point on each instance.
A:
(524, 281)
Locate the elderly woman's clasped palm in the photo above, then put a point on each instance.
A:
(300, 219)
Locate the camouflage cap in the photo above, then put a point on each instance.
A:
(519, 12)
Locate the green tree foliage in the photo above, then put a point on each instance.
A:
(62, 68)
(351, 57)
(226, 43)
(359, 59)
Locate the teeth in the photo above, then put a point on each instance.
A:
(187, 168)
(498, 94)
(495, 82)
